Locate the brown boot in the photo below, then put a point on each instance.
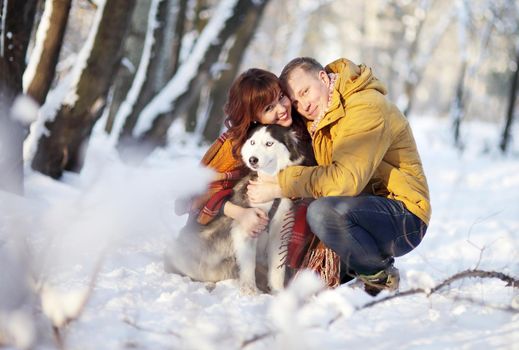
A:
(388, 279)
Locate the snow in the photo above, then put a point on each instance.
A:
(162, 102)
(126, 63)
(140, 77)
(21, 328)
(24, 109)
(60, 306)
(41, 34)
(116, 219)
(418, 279)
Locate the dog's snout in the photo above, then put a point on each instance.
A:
(253, 160)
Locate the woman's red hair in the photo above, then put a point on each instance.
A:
(249, 94)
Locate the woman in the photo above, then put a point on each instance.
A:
(254, 97)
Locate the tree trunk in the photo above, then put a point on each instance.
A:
(164, 61)
(134, 45)
(73, 123)
(415, 75)
(16, 21)
(219, 90)
(45, 54)
(172, 17)
(458, 106)
(505, 139)
(156, 135)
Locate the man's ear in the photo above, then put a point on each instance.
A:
(323, 76)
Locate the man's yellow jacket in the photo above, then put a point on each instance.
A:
(362, 144)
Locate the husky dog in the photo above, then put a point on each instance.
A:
(222, 249)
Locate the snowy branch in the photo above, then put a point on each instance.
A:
(134, 324)
(60, 320)
(83, 57)
(37, 51)
(256, 338)
(511, 282)
(505, 308)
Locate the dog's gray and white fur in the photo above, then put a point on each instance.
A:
(222, 249)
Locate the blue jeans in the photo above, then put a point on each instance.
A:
(367, 231)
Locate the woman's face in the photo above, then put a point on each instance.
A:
(277, 112)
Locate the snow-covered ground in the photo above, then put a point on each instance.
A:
(118, 219)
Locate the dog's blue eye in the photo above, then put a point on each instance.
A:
(252, 142)
(269, 143)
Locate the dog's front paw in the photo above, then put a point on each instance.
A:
(275, 288)
(249, 289)
(276, 280)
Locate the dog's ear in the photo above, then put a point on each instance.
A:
(252, 129)
(292, 145)
(288, 137)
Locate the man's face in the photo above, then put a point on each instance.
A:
(308, 92)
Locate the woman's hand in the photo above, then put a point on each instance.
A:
(264, 189)
(252, 220)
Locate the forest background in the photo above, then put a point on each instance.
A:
(143, 69)
(107, 105)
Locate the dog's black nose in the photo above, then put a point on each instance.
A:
(253, 160)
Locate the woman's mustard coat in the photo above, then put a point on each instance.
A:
(362, 144)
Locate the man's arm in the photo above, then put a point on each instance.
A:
(359, 145)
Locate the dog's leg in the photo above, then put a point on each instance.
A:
(276, 253)
(245, 249)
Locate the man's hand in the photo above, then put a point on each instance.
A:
(264, 189)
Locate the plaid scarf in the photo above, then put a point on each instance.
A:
(306, 251)
(229, 171)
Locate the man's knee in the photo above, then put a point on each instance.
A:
(319, 214)
(315, 214)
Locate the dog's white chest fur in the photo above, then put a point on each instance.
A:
(266, 250)
(267, 153)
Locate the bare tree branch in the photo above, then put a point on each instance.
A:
(58, 331)
(149, 330)
(58, 338)
(506, 308)
(256, 338)
(511, 282)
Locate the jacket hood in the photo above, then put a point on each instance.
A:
(353, 78)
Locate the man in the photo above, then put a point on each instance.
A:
(372, 199)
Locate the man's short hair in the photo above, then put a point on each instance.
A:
(308, 64)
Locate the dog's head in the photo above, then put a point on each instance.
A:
(271, 148)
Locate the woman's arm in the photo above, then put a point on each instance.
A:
(232, 210)
(252, 220)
